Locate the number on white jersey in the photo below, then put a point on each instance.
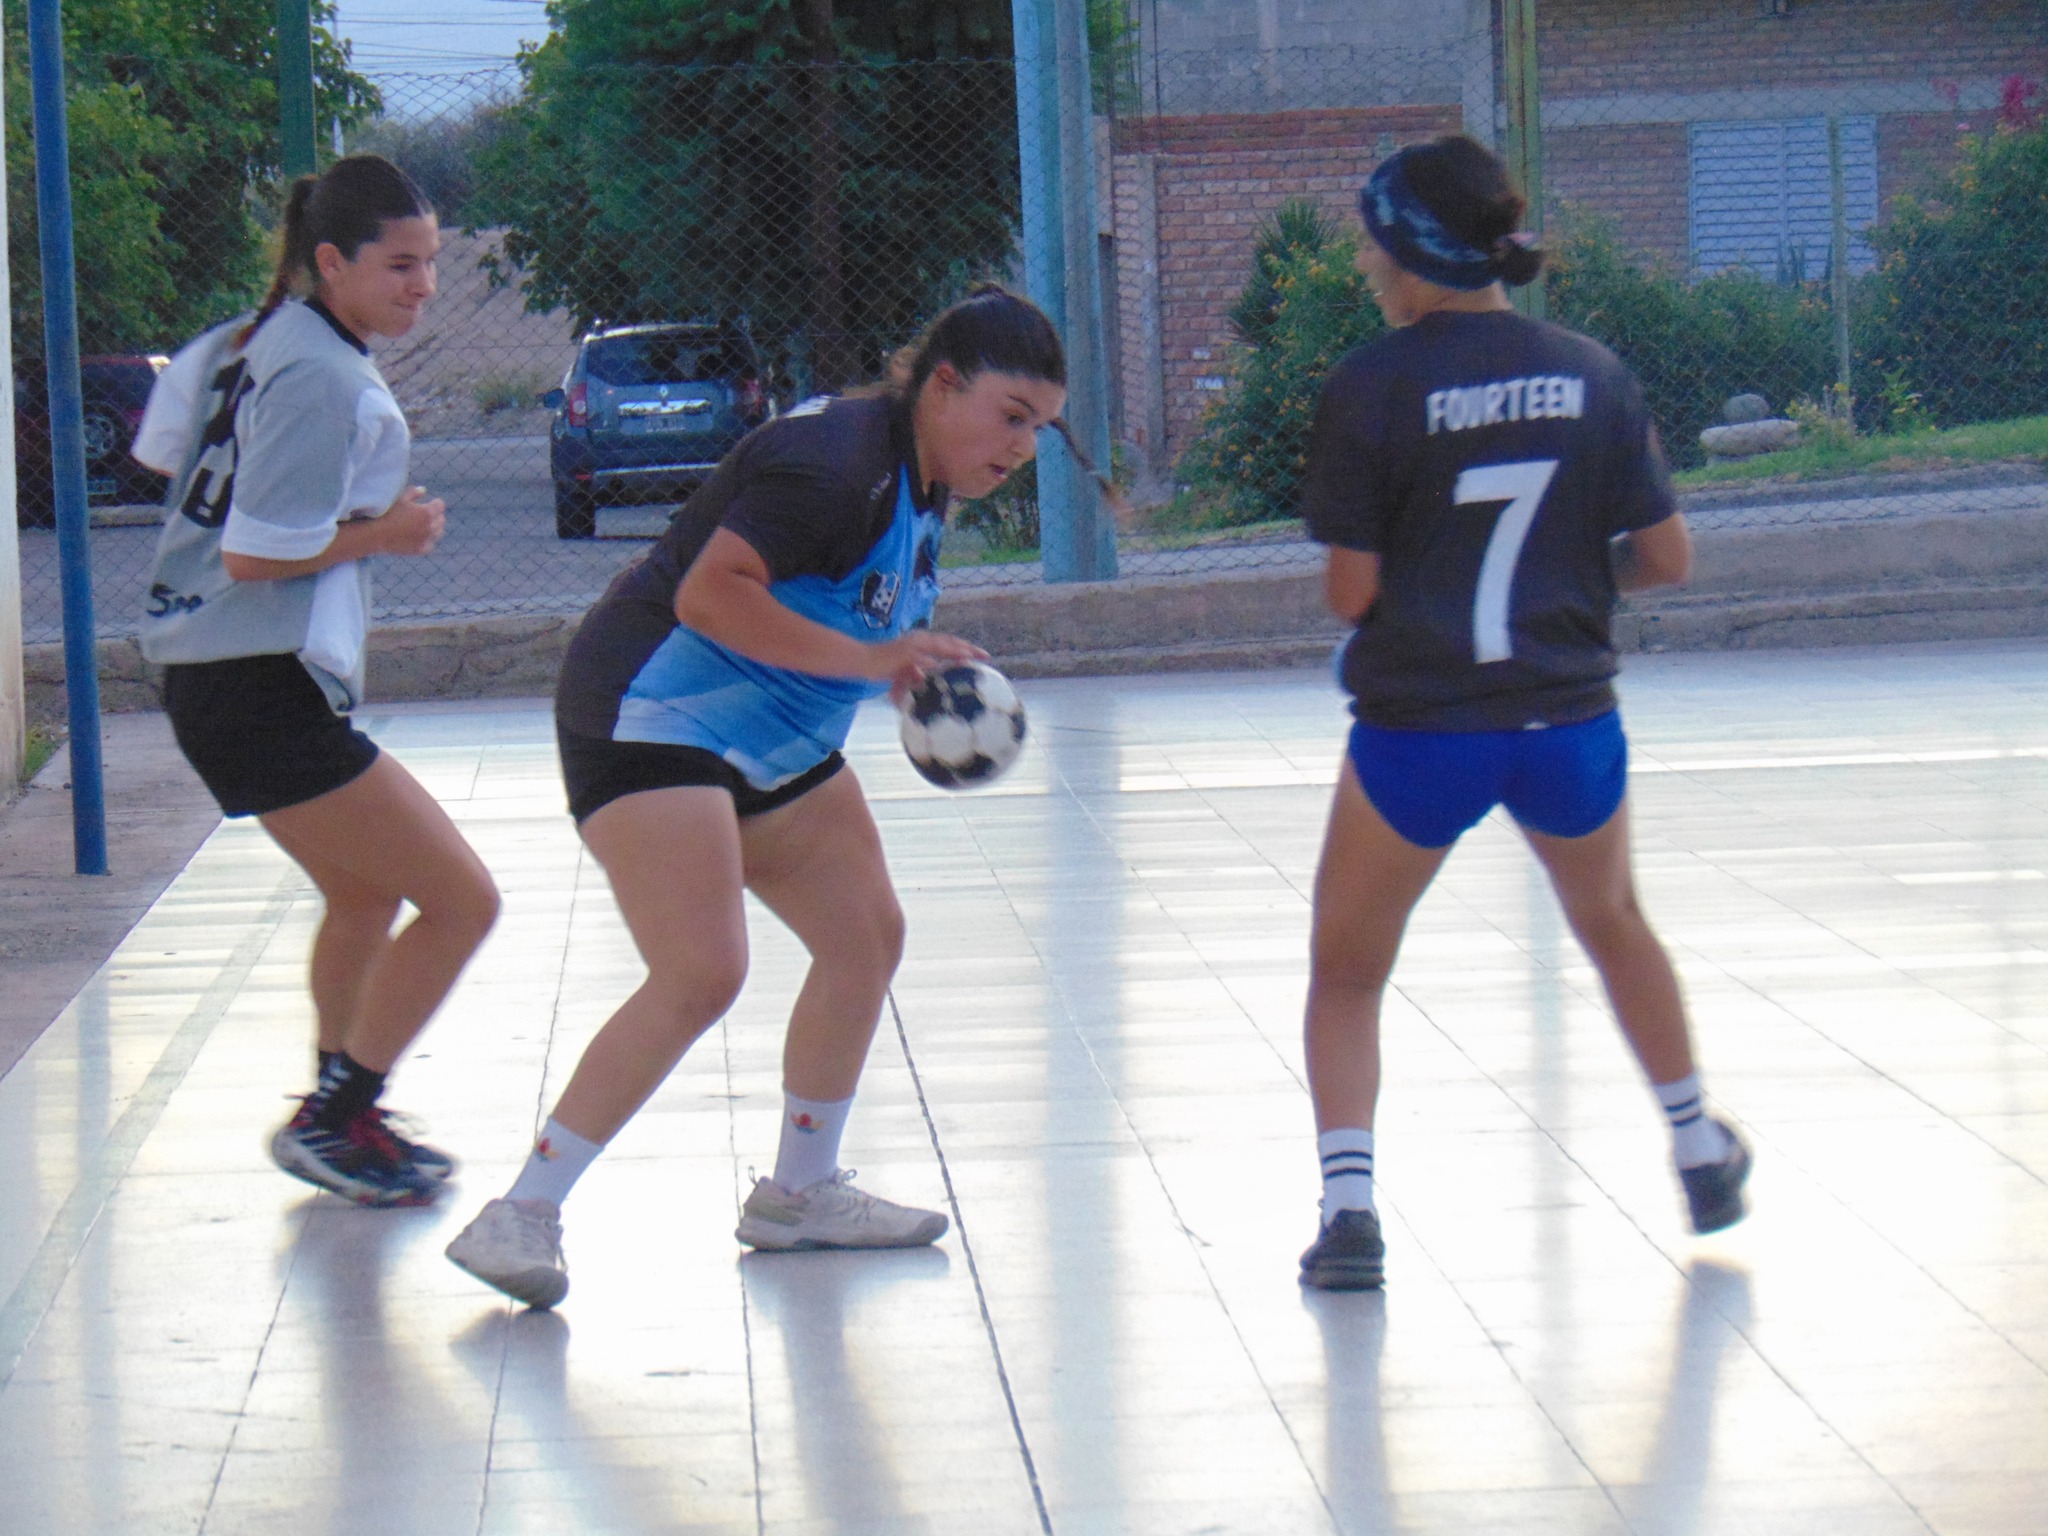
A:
(1521, 485)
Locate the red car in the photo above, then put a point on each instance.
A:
(116, 389)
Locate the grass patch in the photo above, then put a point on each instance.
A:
(508, 390)
(969, 553)
(42, 744)
(1165, 536)
(2021, 440)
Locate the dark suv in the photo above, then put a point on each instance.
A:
(645, 414)
(115, 390)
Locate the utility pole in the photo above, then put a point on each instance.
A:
(1521, 92)
(1843, 406)
(1056, 160)
(295, 87)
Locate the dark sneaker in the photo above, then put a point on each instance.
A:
(359, 1162)
(431, 1161)
(1713, 1193)
(1347, 1255)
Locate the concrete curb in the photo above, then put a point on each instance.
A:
(1954, 576)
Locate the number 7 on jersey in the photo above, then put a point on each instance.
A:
(1521, 485)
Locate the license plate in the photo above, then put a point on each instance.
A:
(99, 488)
(641, 426)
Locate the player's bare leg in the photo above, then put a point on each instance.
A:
(817, 864)
(1367, 885)
(1594, 877)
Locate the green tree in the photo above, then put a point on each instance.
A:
(174, 147)
(827, 175)
(1304, 306)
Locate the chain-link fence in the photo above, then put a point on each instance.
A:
(1831, 260)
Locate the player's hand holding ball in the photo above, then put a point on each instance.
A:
(908, 659)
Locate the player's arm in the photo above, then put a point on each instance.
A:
(1351, 583)
(1657, 556)
(725, 597)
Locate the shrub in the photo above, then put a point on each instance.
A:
(1303, 308)
(1958, 308)
(1692, 344)
(1008, 516)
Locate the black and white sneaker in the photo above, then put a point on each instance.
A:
(1347, 1255)
(1713, 1192)
(361, 1161)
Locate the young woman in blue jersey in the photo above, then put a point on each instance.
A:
(701, 710)
(1485, 483)
(288, 458)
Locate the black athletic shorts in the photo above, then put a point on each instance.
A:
(597, 772)
(260, 732)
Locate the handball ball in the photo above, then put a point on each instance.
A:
(963, 725)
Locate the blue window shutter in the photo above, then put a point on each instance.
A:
(1760, 198)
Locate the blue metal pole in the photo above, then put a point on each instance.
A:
(1087, 347)
(1056, 162)
(67, 433)
(1033, 27)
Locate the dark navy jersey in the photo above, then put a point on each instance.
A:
(1488, 460)
(827, 495)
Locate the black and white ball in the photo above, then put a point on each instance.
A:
(963, 726)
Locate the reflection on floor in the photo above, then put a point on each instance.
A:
(1092, 1057)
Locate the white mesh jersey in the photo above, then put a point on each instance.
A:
(270, 446)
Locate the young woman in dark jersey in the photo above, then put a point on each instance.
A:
(1485, 483)
(288, 457)
(701, 710)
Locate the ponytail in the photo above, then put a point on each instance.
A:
(1110, 493)
(346, 206)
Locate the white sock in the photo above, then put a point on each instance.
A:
(811, 1130)
(1695, 1140)
(1347, 1171)
(554, 1165)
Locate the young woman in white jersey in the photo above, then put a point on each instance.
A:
(701, 710)
(1484, 483)
(288, 456)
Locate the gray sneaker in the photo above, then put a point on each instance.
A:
(832, 1214)
(516, 1245)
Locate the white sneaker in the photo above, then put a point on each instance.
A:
(832, 1214)
(516, 1245)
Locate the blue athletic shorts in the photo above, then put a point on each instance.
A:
(1434, 786)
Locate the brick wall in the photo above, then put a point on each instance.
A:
(1592, 48)
(1636, 174)
(1914, 149)
(1622, 80)
(1212, 181)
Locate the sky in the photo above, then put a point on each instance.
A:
(442, 37)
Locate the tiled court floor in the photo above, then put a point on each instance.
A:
(1092, 1058)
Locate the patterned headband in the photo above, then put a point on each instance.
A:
(1416, 238)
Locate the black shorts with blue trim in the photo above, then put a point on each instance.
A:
(596, 772)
